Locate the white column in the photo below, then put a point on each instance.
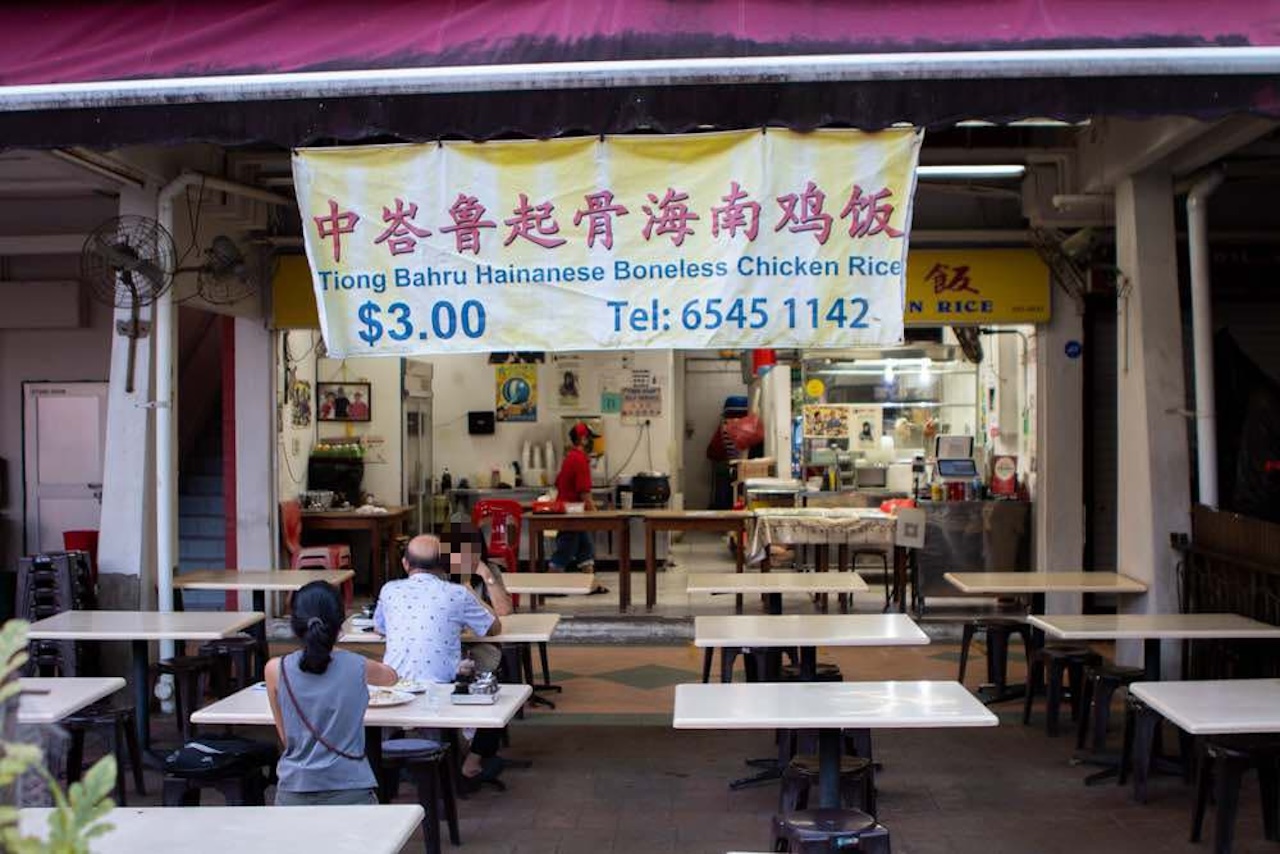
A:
(255, 432)
(1153, 499)
(1058, 508)
(125, 543)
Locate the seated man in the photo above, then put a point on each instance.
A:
(422, 618)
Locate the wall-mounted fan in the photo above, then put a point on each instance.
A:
(970, 342)
(128, 262)
(224, 277)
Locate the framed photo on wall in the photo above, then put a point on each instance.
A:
(343, 402)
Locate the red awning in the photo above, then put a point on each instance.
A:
(58, 42)
(69, 52)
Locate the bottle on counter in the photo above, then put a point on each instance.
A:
(446, 480)
(935, 491)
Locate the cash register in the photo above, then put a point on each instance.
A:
(953, 459)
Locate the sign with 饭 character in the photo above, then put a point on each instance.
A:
(728, 239)
(975, 286)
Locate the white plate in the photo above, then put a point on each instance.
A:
(379, 697)
(412, 686)
(361, 622)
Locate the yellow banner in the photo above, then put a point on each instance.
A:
(737, 239)
(968, 286)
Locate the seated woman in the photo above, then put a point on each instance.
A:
(469, 566)
(318, 698)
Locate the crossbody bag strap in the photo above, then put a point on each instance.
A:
(284, 677)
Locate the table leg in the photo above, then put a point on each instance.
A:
(526, 664)
(373, 752)
(141, 696)
(822, 563)
(535, 555)
(259, 632)
(650, 566)
(739, 559)
(377, 570)
(624, 567)
(808, 664)
(829, 769)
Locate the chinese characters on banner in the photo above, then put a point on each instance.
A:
(736, 239)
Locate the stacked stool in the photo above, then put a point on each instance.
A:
(49, 584)
(335, 556)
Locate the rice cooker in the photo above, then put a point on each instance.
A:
(650, 489)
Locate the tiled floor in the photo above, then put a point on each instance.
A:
(611, 775)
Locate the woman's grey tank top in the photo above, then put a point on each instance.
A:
(334, 702)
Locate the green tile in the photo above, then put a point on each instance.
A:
(650, 676)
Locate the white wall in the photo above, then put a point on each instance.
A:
(465, 383)
(45, 354)
(382, 470)
(294, 445)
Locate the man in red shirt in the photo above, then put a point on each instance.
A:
(573, 485)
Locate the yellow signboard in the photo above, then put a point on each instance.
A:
(739, 239)
(967, 286)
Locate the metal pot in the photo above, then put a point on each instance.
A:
(650, 489)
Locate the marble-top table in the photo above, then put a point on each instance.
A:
(249, 706)
(259, 583)
(139, 628)
(544, 583)
(247, 830)
(1215, 706)
(516, 628)
(1027, 583)
(1151, 629)
(807, 631)
(775, 584)
(48, 700)
(828, 707)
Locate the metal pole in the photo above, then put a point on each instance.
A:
(1202, 337)
(530, 77)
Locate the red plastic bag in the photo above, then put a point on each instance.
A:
(893, 505)
(555, 505)
(745, 432)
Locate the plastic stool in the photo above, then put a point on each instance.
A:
(234, 662)
(1053, 664)
(1100, 685)
(857, 784)
(118, 722)
(1227, 758)
(425, 760)
(998, 631)
(821, 831)
(191, 675)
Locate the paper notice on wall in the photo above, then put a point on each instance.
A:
(568, 378)
(642, 401)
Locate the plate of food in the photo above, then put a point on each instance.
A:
(412, 686)
(379, 697)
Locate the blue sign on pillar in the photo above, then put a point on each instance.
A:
(1073, 349)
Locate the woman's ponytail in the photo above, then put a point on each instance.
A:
(316, 621)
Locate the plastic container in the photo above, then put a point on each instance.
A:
(83, 541)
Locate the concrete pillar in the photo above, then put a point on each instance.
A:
(255, 433)
(1058, 508)
(125, 546)
(1153, 469)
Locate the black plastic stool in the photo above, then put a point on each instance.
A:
(753, 660)
(1227, 758)
(1052, 665)
(118, 721)
(234, 662)
(826, 672)
(1100, 684)
(800, 777)
(998, 631)
(821, 831)
(425, 761)
(191, 675)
